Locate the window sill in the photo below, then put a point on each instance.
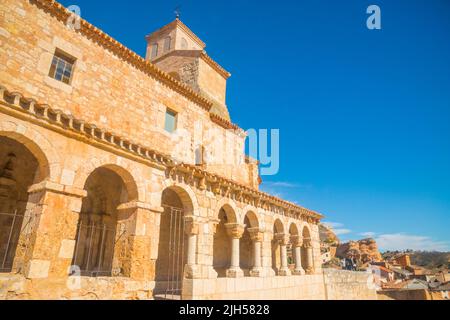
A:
(58, 85)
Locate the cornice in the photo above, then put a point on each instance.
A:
(44, 115)
(224, 123)
(213, 64)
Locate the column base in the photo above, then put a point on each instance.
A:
(257, 272)
(192, 272)
(284, 272)
(309, 271)
(235, 273)
(212, 273)
(298, 272)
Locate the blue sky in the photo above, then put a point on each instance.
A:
(363, 115)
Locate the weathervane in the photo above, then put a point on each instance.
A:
(178, 12)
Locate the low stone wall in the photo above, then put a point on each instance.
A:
(348, 285)
(331, 285)
(16, 287)
(307, 287)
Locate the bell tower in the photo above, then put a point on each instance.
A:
(178, 51)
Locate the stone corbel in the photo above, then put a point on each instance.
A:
(216, 187)
(172, 172)
(227, 191)
(189, 177)
(202, 183)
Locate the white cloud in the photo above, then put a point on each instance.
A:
(280, 184)
(402, 241)
(332, 225)
(340, 232)
(336, 227)
(368, 234)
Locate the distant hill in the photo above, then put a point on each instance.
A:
(327, 236)
(364, 250)
(431, 260)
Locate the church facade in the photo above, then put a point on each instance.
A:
(115, 173)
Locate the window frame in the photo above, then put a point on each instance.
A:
(174, 114)
(62, 67)
(154, 51)
(167, 44)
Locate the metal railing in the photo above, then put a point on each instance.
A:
(175, 253)
(11, 227)
(94, 250)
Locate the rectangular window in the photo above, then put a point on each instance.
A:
(62, 67)
(154, 53)
(171, 121)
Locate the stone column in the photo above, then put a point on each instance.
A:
(283, 241)
(296, 242)
(191, 227)
(46, 246)
(309, 256)
(235, 232)
(133, 251)
(257, 238)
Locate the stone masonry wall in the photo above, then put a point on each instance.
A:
(348, 285)
(105, 89)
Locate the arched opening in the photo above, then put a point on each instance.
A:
(293, 233)
(246, 244)
(306, 249)
(278, 229)
(19, 169)
(222, 244)
(172, 246)
(98, 231)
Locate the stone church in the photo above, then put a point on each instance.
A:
(101, 197)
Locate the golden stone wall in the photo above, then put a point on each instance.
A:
(105, 89)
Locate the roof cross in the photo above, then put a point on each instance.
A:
(178, 12)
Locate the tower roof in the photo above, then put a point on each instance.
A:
(177, 23)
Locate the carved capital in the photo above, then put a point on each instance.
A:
(307, 243)
(296, 241)
(256, 234)
(191, 226)
(235, 230)
(214, 224)
(282, 239)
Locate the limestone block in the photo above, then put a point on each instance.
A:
(67, 249)
(67, 177)
(38, 269)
